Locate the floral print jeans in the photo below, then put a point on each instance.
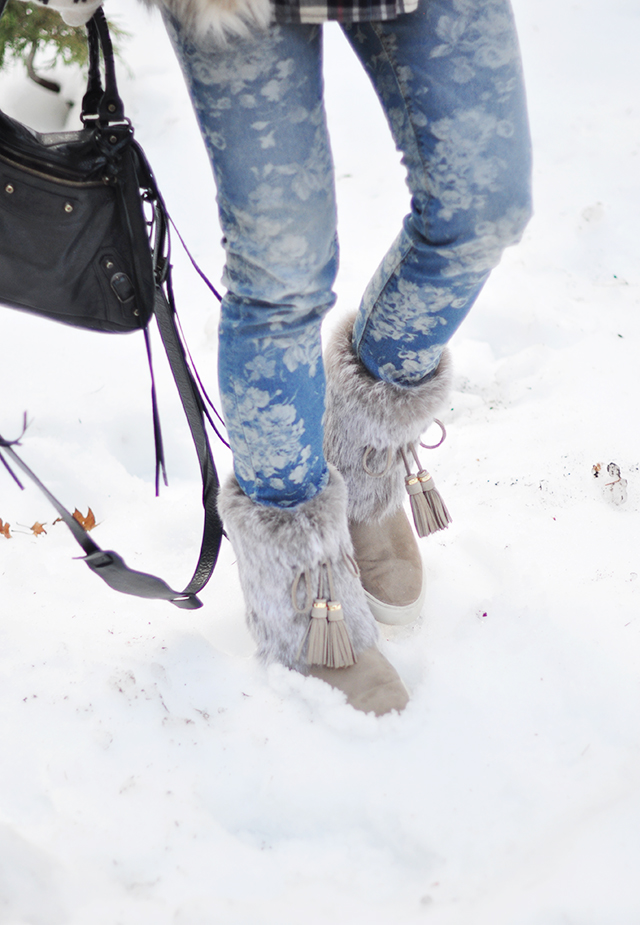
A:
(449, 79)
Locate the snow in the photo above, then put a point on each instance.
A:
(152, 773)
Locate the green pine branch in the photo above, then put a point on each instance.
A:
(27, 30)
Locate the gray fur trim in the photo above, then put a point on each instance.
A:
(218, 19)
(363, 411)
(272, 546)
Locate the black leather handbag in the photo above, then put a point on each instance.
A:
(83, 241)
(75, 244)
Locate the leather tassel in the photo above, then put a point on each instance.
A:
(328, 638)
(339, 651)
(429, 511)
(318, 633)
(440, 516)
(423, 516)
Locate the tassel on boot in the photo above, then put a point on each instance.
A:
(317, 633)
(441, 516)
(419, 506)
(329, 644)
(429, 511)
(339, 651)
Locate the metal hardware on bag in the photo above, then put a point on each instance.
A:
(109, 264)
(113, 140)
(68, 207)
(122, 286)
(9, 189)
(112, 107)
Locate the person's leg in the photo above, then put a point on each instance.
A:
(260, 108)
(449, 78)
(259, 103)
(450, 82)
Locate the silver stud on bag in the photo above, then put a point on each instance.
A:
(68, 207)
(9, 188)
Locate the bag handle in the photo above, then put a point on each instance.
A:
(93, 95)
(105, 104)
(111, 107)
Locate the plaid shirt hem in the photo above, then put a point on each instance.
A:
(345, 11)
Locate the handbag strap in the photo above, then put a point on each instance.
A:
(194, 411)
(105, 563)
(108, 564)
(165, 312)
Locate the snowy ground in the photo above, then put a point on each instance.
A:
(151, 772)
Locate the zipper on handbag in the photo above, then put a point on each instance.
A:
(77, 184)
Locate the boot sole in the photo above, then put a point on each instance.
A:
(395, 614)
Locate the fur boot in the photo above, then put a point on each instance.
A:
(371, 430)
(305, 605)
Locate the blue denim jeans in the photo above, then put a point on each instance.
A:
(449, 79)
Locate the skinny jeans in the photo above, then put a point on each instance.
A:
(449, 79)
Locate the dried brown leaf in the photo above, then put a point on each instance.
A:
(87, 522)
(4, 529)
